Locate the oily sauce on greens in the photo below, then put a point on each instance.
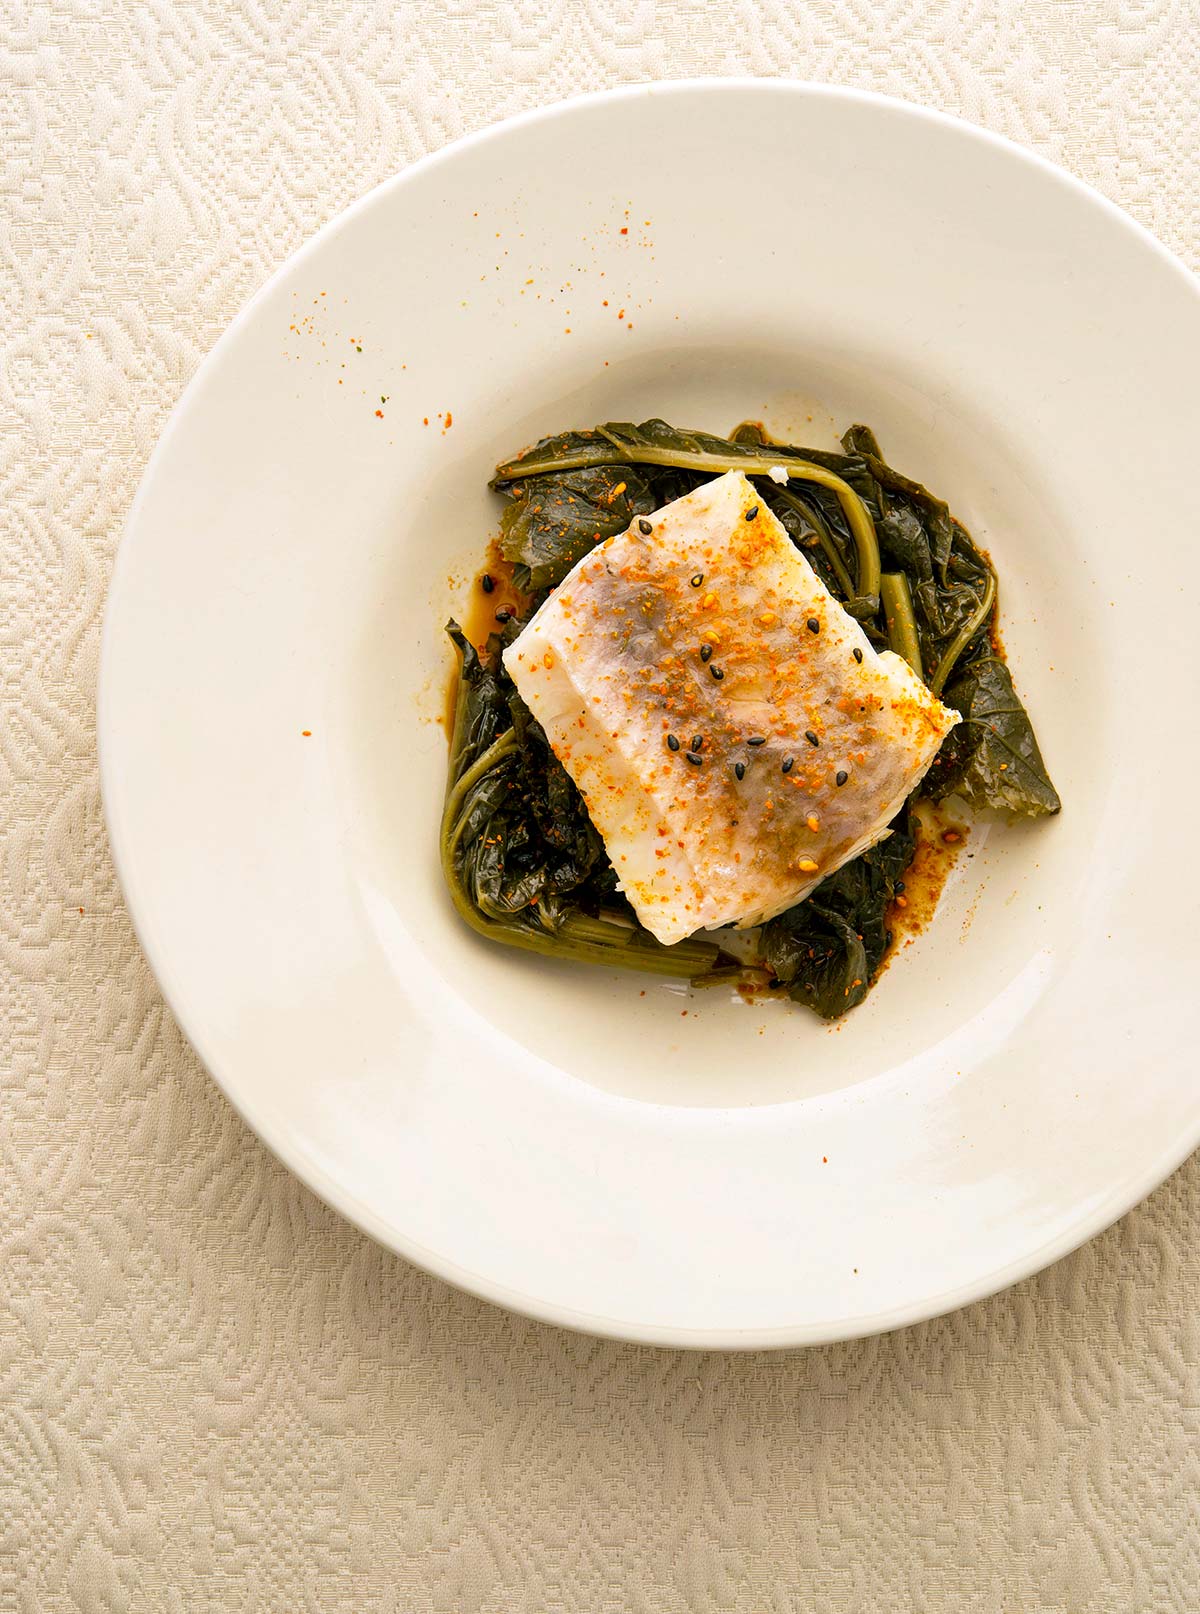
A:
(521, 858)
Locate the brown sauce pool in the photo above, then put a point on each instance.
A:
(940, 839)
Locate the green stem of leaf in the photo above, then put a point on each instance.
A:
(901, 619)
(964, 635)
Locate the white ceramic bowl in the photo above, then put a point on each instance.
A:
(595, 1149)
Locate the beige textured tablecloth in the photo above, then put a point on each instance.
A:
(214, 1395)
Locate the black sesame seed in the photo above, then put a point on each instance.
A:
(486, 583)
(787, 765)
(887, 938)
(811, 737)
(706, 652)
(645, 528)
(504, 614)
(694, 759)
(841, 777)
(697, 579)
(697, 743)
(757, 739)
(899, 886)
(672, 743)
(752, 512)
(740, 769)
(858, 656)
(717, 672)
(813, 625)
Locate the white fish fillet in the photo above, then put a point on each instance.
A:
(611, 666)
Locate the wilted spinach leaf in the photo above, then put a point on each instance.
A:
(992, 759)
(553, 521)
(826, 949)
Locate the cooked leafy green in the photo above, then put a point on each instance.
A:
(896, 602)
(553, 521)
(992, 759)
(826, 949)
(523, 861)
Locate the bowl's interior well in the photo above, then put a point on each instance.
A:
(274, 662)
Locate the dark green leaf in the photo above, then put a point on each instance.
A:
(940, 524)
(826, 949)
(821, 960)
(992, 758)
(555, 520)
(946, 573)
(482, 713)
(905, 545)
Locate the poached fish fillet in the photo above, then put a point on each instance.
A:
(732, 731)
